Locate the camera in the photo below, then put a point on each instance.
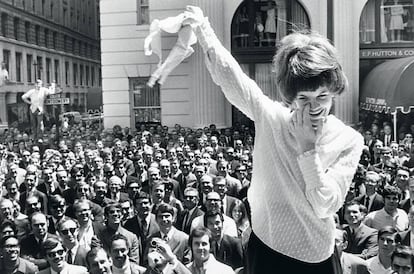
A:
(154, 243)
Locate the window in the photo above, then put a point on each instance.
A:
(54, 40)
(37, 35)
(65, 16)
(6, 59)
(87, 76)
(29, 64)
(92, 76)
(46, 38)
(34, 6)
(16, 27)
(146, 106)
(27, 31)
(18, 67)
(81, 75)
(75, 74)
(51, 9)
(67, 73)
(43, 7)
(73, 45)
(39, 67)
(65, 42)
(24, 4)
(57, 71)
(142, 12)
(4, 24)
(387, 22)
(48, 63)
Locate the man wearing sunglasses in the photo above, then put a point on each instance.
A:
(56, 256)
(69, 232)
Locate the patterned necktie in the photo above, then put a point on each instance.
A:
(69, 258)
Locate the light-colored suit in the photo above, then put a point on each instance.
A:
(71, 269)
(352, 264)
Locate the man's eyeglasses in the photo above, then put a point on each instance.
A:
(66, 231)
(56, 206)
(8, 247)
(53, 254)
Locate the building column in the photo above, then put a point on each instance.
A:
(346, 40)
(209, 103)
(3, 108)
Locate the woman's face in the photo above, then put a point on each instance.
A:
(320, 102)
(237, 214)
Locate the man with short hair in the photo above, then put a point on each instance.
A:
(57, 209)
(11, 262)
(226, 249)
(176, 239)
(381, 264)
(350, 263)
(31, 182)
(120, 259)
(220, 186)
(113, 216)
(101, 189)
(390, 215)
(55, 255)
(98, 261)
(371, 200)
(69, 231)
(402, 260)
(200, 242)
(402, 182)
(192, 210)
(115, 186)
(30, 244)
(214, 203)
(233, 185)
(49, 186)
(144, 223)
(362, 240)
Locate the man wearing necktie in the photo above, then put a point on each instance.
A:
(69, 232)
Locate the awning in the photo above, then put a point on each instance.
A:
(389, 87)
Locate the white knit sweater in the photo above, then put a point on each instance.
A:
(293, 197)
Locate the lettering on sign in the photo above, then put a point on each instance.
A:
(375, 101)
(386, 53)
(57, 101)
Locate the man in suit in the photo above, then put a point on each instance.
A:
(113, 216)
(362, 240)
(87, 227)
(176, 239)
(226, 249)
(371, 200)
(192, 210)
(69, 232)
(31, 182)
(233, 185)
(387, 241)
(99, 262)
(405, 237)
(186, 177)
(144, 223)
(55, 255)
(350, 263)
(49, 186)
(119, 255)
(220, 186)
(115, 186)
(387, 137)
(57, 209)
(121, 172)
(11, 262)
(30, 244)
(101, 190)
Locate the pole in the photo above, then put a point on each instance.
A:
(394, 114)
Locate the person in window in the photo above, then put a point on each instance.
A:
(305, 158)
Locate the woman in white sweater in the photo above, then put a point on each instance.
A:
(304, 157)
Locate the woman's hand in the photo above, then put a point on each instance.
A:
(193, 16)
(305, 130)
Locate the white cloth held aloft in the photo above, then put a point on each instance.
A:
(181, 50)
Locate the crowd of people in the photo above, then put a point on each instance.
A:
(160, 199)
(176, 198)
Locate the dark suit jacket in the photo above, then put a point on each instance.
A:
(405, 205)
(178, 244)
(43, 188)
(97, 211)
(230, 252)
(122, 196)
(186, 227)
(363, 242)
(134, 226)
(183, 182)
(377, 203)
(29, 247)
(51, 226)
(404, 237)
(72, 269)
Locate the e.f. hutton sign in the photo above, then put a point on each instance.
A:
(386, 53)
